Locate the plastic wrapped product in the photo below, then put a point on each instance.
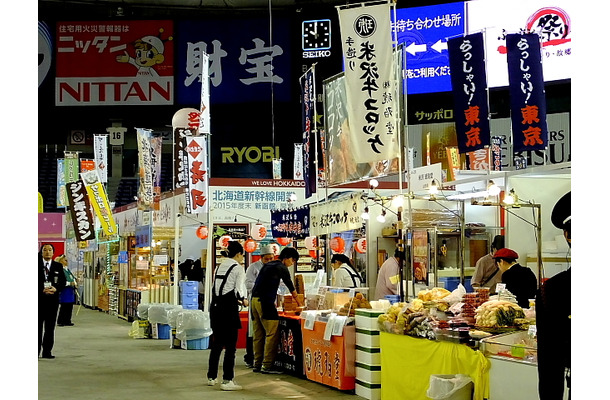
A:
(193, 324)
(172, 315)
(157, 313)
(143, 310)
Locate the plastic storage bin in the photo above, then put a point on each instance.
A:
(160, 331)
(196, 344)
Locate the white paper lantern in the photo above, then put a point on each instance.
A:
(311, 242)
(259, 232)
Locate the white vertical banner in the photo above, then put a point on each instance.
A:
(197, 196)
(369, 82)
(298, 162)
(145, 170)
(100, 153)
(204, 119)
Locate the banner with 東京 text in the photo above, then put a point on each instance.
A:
(145, 170)
(80, 210)
(526, 88)
(99, 200)
(369, 82)
(336, 215)
(470, 96)
(197, 196)
(100, 151)
(290, 223)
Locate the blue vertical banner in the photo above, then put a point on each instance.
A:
(308, 115)
(470, 94)
(526, 88)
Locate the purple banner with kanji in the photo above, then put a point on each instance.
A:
(308, 115)
(526, 88)
(470, 95)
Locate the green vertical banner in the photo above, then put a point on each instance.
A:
(61, 200)
(71, 167)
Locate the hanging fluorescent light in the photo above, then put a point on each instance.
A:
(493, 189)
(373, 183)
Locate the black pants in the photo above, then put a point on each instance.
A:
(249, 356)
(223, 337)
(65, 314)
(47, 316)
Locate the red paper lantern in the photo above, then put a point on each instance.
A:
(284, 240)
(250, 245)
(360, 246)
(337, 244)
(223, 241)
(259, 232)
(202, 232)
(311, 242)
(312, 253)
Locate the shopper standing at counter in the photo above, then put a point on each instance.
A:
(553, 317)
(228, 289)
(345, 274)
(486, 272)
(519, 280)
(251, 275)
(265, 319)
(389, 275)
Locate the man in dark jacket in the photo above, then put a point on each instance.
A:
(553, 318)
(265, 319)
(51, 280)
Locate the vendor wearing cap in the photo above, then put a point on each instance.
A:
(251, 274)
(553, 317)
(519, 280)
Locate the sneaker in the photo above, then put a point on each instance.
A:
(230, 385)
(211, 382)
(271, 371)
(256, 369)
(249, 365)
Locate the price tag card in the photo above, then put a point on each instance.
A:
(340, 322)
(329, 326)
(500, 287)
(310, 319)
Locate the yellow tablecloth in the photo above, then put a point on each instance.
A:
(408, 362)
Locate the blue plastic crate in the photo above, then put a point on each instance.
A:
(190, 306)
(161, 331)
(393, 298)
(189, 284)
(196, 344)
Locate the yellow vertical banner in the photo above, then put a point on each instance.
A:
(99, 201)
(40, 203)
(453, 157)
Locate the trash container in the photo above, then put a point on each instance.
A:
(450, 387)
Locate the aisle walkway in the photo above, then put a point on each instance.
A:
(96, 359)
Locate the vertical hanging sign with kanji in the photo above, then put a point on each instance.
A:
(308, 115)
(526, 88)
(470, 96)
(196, 197)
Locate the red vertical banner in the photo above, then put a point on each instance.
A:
(196, 198)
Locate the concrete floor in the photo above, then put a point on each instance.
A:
(97, 359)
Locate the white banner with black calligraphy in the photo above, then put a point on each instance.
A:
(100, 152)
(204, 119)
(197, 196)
(369, 82)
(336, 215)
(145, 168)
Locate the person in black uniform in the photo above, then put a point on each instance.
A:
(519, 280)
(553, 318)
(228, 291)
(51, 280)
(265, 319)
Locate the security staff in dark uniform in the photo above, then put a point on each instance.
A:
(51, 280)
(228, 291)
(553, 318)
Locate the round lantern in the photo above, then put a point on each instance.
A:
(311, 242)
(224, 240)
(284, 240)
(360, 246)
(202, 232)
(337, 244)
(185, 117)
(259, 232)
(312, 253)
(250, 245)
(276, 249)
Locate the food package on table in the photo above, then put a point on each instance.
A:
(402, 319)
(433, 294)
(358, 301)
(498, 313)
